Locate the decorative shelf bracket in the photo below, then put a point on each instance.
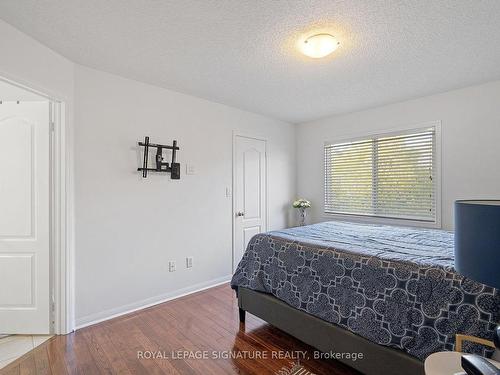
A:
(161, 166)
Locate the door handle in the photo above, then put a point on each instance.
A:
(240, 213)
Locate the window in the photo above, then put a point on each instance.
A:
(391, 176)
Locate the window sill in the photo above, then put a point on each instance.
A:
(382, 220)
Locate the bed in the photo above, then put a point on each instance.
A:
(389, 291)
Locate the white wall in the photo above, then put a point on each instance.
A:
(470, 143)
(28, 62)
(129, 228)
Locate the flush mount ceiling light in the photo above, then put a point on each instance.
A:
(319, 45)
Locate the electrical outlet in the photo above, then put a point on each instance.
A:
(189, 262)
(171, 266)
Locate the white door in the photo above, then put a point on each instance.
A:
(249, 182)
(24, 218)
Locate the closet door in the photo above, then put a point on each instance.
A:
(249, 181)
(24, 218)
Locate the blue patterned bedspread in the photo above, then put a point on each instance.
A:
(394, 286)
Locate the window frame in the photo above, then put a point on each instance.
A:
(402, 130)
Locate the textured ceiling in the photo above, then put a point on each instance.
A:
(242, 52)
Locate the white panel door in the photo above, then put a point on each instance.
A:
(249, 192)
(24, 218)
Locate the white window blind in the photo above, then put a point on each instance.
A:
(390, 176)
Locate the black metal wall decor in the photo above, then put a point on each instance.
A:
(174, 168)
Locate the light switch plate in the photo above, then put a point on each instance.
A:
(190, 169)
(171, 266)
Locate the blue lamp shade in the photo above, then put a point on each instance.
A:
(477, 240)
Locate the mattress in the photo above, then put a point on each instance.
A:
(395, 286)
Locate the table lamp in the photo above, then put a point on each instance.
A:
(477, 255)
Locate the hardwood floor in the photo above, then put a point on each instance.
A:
(205, 321)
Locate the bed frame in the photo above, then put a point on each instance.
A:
(327, 337)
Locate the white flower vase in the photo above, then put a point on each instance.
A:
(302, 216)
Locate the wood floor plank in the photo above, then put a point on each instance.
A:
(98, 353)
(60, 355)
(124, 336)
(189, 341)
(27, 366)
(11, 369)
(99, 336)
(41, 357)
(205, 321)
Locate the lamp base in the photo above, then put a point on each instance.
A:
(496, 340)
(476, 365)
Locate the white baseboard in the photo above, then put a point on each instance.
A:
(139, 305)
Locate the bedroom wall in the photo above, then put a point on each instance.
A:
(470, 125)
(129, 228)
(28, 62)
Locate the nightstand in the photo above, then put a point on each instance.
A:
(446, 363)
(449, 363)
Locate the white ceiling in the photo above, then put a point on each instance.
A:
(242, 52)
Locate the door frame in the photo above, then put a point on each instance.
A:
(61, 198)
(266, 188)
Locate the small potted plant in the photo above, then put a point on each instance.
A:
(302, 204)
